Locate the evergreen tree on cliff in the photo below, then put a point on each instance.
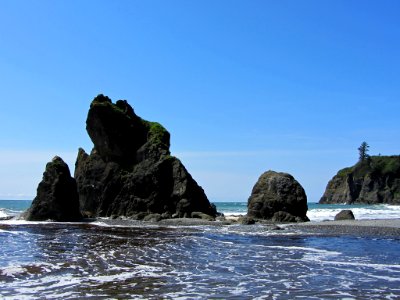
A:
(363, 149)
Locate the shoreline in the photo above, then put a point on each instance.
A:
(360, 227)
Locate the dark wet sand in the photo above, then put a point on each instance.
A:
(374, 228)
(388, 227)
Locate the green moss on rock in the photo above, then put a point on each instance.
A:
(344, 172)
(158, 134)
(376, 165)
(385, 165)
(101, 99)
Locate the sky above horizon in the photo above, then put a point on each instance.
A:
(242, 86)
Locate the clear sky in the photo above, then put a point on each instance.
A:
(243, 86)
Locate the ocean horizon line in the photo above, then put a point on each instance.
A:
(212, 201)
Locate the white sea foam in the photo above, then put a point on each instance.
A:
(356, 264)
(111, 278)
(305, 249)
(386, 278)
(102, 224)
(234, 214)
(12, 271)
(11, 232)
(21, 222)
(3, 213)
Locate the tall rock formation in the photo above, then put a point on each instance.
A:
(278, 197)
(57, 197)
(373, 181)
(130, 171)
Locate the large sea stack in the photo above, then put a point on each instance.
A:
(130, 171)
(371, 181)
(57, 197)
(278, 197)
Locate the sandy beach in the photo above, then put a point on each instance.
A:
(387, 227)
(375, 228)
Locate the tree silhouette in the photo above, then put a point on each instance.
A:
(363, 149)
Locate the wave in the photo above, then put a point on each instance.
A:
(8, 213)
(306, 249)
(323, 212)
(3, 214)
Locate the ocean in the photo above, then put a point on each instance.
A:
(46, 260)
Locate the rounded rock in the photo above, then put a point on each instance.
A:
(280, 193)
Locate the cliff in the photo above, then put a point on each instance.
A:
(374, 181)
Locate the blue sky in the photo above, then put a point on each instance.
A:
(243, 86)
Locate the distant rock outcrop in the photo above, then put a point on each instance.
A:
(278, 197)
(373, 181)
(130, 171)
(57, 197)
(345, 215)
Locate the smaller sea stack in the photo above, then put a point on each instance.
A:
(57, 196)
(278, 197)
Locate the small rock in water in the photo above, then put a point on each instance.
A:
(247, 221)
(203, 216)
(285, 217)
(345, 215)
(152, 218)
(277, 228)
